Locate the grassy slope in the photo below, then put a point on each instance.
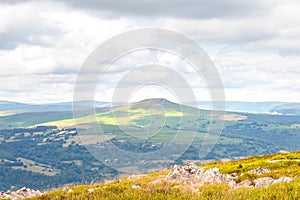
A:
(32, 118)
(122, 189)
(136, 113)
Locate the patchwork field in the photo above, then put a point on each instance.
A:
(138, 129)
(30, 165)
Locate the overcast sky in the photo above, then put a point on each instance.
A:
(255, 44)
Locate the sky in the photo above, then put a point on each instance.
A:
(255, 46)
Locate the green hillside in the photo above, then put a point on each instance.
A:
(156, 186)
(32, 118)
(243, 134)
(61, 155)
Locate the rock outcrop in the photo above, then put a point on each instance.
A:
(198, 176)
(20, 194)
(213, 176)
(186, 173)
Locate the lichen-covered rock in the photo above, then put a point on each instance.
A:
(232, 184)
(20, 194)
(234, 175)
(235, 185)
(197, 175)
(213, 176)
(136, 186)
(263, 182)
(259, 171)
(283, 179)
(266, 181)
(70, 190)
(185, 173)
(91, 190)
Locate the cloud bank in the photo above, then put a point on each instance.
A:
(254, 44)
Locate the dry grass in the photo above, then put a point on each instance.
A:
(155, 186)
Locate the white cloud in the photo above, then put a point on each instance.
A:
(27, 23)
(43, 44)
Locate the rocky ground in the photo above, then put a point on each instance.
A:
(20, 194)
(198, 176)
(190, 175)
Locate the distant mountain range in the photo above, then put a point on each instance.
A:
(62, 106)
(257, 107)
(287, 109)
(237, 106)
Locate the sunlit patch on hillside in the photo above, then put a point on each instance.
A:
(9, 112)
(233, 117)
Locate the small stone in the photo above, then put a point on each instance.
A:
(70, 190)
(234, 175)
(136, 186)
(283, 152)
(91, 190)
